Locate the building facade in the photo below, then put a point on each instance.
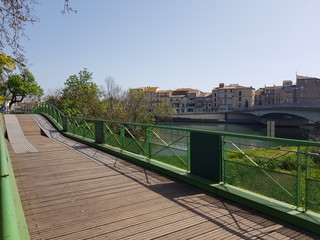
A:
(308, 89)
(232, 97)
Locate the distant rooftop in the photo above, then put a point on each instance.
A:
(305, 77)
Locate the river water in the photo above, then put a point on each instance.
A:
(252, 129)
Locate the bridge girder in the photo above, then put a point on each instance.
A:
(312, 115)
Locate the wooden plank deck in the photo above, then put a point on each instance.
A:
(66, 195)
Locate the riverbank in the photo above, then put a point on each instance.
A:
(259, 129)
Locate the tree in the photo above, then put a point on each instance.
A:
(19, 86)
(113, 101)
(80, 97)
(53, 97)
(83, 98)
(14, 16)
(138, 108)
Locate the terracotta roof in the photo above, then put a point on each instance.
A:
(151, 89)
(201, 95)
(186, 89)
(164, 91)
(234, 87)
(273, 88)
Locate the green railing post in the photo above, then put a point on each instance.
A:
(224, 157)
(64, 124)
(100, 131)
(188, 153)
(122, 131)
(307, 177)
(299, 177)
(149, 147)
(206, 155)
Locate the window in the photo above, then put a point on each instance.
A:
(240, 93)
(239, 98)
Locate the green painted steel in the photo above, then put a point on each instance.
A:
(99, 132)
(283, 170)
(206, 156)
(13, 223)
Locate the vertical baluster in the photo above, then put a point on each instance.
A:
(299, 172)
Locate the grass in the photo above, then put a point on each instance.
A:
(276, 174)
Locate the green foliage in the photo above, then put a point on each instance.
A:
(83, 98)
(6, 63)
(137, 108)
(283, 158)
(19, 86)
(280, 163)
(80, 97)
(140, 110)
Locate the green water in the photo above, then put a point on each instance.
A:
(252, 129)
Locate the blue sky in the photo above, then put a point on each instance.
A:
(176, 43)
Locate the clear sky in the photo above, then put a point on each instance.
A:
(176, 43)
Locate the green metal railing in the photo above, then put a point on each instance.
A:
(13, 223)
(282, 169)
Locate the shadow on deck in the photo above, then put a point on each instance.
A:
(71, 191)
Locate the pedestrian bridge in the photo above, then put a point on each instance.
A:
(140, 182)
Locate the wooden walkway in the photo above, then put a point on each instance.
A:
(66, 195)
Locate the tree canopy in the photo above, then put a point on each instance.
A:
(19, 86)
(80, 97)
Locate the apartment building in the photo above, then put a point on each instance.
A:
(284, 94)
(203, 102)
(183, 99)
(232, 97)
(268, 95)
(307, 89)
(235, 97)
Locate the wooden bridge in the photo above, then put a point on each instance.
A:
(71, 191)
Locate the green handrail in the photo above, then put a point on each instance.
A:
(13, 222)
(297, 195)
(47, 108)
